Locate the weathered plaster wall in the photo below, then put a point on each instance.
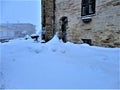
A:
(104, 30)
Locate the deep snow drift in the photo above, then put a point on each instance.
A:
(26, 64)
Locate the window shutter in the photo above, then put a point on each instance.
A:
(91, 6)
(84, 8)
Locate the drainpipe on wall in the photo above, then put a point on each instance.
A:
(54, 14)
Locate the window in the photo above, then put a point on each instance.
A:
(87, 41)
(88, 7)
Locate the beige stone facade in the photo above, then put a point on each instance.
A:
(102, 30)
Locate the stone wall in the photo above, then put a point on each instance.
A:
(48, 18)
(103, 30)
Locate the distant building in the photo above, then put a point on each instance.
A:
(96, 22)
(16, 30)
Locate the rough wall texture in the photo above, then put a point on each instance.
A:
(103, 30)
(47, 18)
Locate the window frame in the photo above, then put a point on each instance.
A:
(85, 8)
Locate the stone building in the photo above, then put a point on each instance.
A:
(96, 22)
(16, 30)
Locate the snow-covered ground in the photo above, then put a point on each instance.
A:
(26, 64)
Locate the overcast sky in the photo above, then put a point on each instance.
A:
(23, 11)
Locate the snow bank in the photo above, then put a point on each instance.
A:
(57, 65)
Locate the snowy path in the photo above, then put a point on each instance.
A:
(29, 65)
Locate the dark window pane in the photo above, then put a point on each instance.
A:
(88, 7)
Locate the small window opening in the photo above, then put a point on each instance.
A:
(87, 41)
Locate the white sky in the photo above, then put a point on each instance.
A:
(23, 11)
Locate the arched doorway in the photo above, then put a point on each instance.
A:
(63, 28)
